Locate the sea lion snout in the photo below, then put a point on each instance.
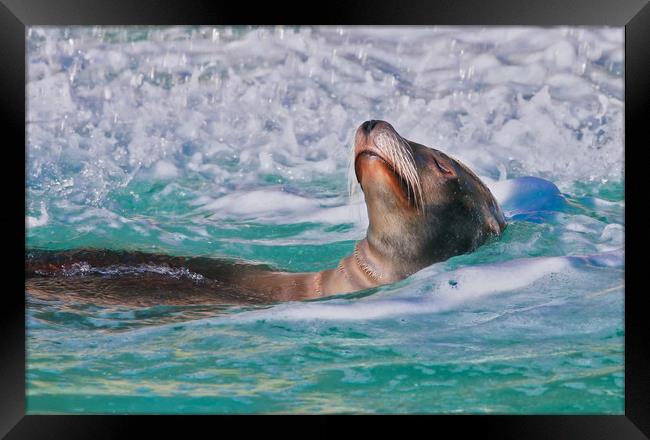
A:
(369, 125)
(365, 134)
(380, 152)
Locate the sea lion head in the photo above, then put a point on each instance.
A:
(423, 205)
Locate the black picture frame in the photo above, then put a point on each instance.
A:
(16, 15)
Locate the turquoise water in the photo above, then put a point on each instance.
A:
(235, 142)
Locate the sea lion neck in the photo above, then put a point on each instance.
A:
(399, 255)
(375, 262)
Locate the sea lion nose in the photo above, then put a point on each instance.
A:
(369, 125)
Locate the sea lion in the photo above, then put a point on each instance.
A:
(423, 207)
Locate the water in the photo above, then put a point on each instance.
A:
(235, 142)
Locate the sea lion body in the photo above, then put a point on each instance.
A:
(111, 277)
(423, 207)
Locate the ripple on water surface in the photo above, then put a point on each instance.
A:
(235, 142)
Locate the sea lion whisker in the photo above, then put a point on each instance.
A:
(399, 156)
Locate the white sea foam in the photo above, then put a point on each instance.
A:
(285, 102)
(432, 292)
(41, 220)
(441, 293)
(275, 205)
